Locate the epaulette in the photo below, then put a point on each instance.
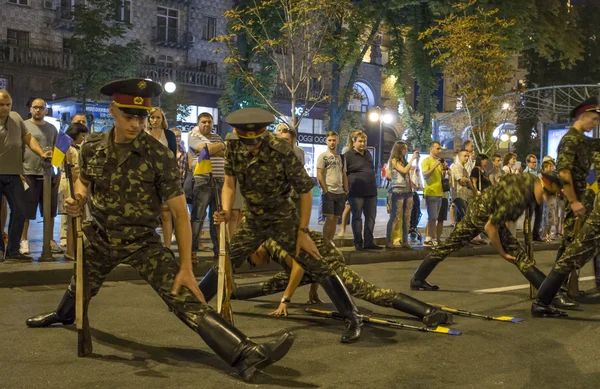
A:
(94, 137)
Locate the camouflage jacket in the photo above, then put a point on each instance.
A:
(126, 187)
(504, 202)
(266, 179)
(575, 153)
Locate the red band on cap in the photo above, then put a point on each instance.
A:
(586, 108)
(127, 101)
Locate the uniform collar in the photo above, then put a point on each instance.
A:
(108, 143)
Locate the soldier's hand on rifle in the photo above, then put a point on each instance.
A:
(221, 217)
(508, 257)
(74, 206)
(185, 277)
(578, 208)
(281, 311)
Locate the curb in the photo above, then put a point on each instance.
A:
(37, 274)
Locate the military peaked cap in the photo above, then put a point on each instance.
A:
(590, 105)
(250, 124)
(132, 95)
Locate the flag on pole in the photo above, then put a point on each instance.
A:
(63, 142)
(203, 166)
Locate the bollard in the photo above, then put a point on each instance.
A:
(46, 251)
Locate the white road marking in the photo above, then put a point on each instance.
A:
(517, 287)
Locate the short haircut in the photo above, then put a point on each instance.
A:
(547, 164)
(496, 156)
(435, 142)
(462, 151)
(284, 129)
(531, 156)
(466, 143)
(359, 134)
(205, 115)
(75, 129)
(4, 94)
(332, 133)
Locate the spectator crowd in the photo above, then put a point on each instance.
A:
(347, 180)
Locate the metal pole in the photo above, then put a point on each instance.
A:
(46, 251)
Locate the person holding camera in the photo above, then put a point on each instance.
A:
(433, 168)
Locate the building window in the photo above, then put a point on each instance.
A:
(3, 83)
(68, 6)
(17, 38)
(209, 28)
(19, 2)
(167, 22)
(124, 11)
(66, 46)
(166, 61)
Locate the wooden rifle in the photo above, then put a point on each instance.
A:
(225, 273)
(573, 284)
(82, 291)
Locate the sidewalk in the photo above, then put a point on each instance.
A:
(14, 274)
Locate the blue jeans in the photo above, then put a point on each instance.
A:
(204, 197)
(11, 187)
(368, 206)
(434, 204)
(401, 208)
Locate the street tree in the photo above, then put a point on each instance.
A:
(98, 57)
(468, 44)
(289, 37)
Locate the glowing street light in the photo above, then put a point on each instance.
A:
(170, 87)
(505, 106)
(374, 116)
(388, 118)
(513, 138)
(504, 137)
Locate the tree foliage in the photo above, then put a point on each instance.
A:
(97, 57)
(291, 35)
(469, 46)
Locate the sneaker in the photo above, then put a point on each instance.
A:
(24, 249)
(55, 248)
(18, 257)
(428, 243)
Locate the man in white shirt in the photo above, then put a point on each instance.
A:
(461, 184)
(331, 174)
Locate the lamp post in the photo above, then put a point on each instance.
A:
(387, 118)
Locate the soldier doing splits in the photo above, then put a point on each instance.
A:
(125, 176)
(337, 279)
(489, 213)
(266, 168)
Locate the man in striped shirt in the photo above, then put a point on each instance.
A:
(200, 137)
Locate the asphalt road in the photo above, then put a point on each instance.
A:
(139, 344)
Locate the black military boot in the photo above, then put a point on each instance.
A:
(248, 291)
(430, 315)
(208, 284)
(535, 276)
(237, 349)
(562, 300)
(339, 295)
(419, 282)
(541, 307)
(64, 314)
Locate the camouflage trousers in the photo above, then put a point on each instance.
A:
(587, 199)
(332, 263)
(155, 263)
(254, 230)
(466, 230)
(584, 245)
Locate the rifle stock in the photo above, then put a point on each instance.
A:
(529, 247)
(225, 273)
(84, 336)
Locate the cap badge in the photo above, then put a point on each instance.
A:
(138, 100)
(250, 134)
(142, 85)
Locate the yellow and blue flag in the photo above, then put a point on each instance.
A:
(63, 142)
(204, 166)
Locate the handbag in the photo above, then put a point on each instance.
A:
(445, 185)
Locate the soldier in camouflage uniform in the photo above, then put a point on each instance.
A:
(575, 153)
(489, 213)
(266, 168)
(321, 271)
(125, 176)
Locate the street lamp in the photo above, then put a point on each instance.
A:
(387, 118)
(170, 87)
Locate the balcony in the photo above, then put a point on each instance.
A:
(36, 57)
(63, 18)
(172, 37)
(181, 76)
